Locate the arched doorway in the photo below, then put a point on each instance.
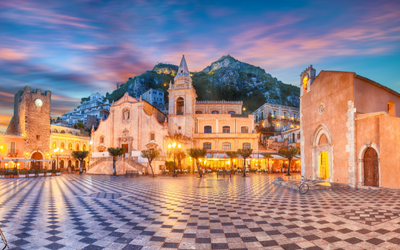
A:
(62, 164)
(38, 164)
(371, 168)
(83, 165)
(323, 165)
(69, 164)
(54, 164)
(76, 164)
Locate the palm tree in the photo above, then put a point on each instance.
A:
(179, 138)
(180, 155)
(114, 152)
(197, 153)
(151, 155)
(80, 156)
(245, 153)
(267, 156)
(289, 153)
(232, 155)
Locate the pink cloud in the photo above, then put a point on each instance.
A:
(12, 54)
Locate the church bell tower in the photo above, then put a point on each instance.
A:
(182, 102)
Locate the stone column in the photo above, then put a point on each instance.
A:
(351, 144)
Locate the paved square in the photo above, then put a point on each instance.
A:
(102, 212)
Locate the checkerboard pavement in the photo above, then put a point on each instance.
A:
(103, 212)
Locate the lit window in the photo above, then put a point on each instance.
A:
(62, 145)
(246, 145)
(54, 144)
(226, 129)
(207, 145)
(226, 146)
(77, 146)
(245, 129)
(84, 147)
(207, 129)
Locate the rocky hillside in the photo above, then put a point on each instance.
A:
(225, 79)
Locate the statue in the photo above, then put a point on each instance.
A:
(126, 115)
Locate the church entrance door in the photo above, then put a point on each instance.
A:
(125, 146)
(371, 168)
(323, 163)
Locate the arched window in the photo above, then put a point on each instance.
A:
(231, 112)
(391, 110)
(207, 129)
(70, 132)
(55, 131)
(101, 139)
(226, 129)
(62, 145)
(54, 144)
(84, 147)
(293, 138)
(262, 115)
(246, 145)
(77, 146)
(226, 146)
(244, 129)
(207, 145)
(305, 81)
(323, 140)
(62, 131)
(199, 112)
(180, 104)
(215, 112)
(70, 146)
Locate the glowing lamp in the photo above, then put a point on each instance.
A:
(1, 146)
(179, 146)
(174, 144)
(169, 145)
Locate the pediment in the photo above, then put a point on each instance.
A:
(125, 99)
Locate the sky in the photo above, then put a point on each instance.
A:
(77, 47)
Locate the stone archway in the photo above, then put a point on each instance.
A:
(371, 151)
(37, 164)
(322, 154)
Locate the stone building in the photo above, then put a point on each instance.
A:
(349, 129)
(31, 136)
(154, 96)
(31, 120)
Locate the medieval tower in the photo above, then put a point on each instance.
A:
(182, 101)
(31, 119)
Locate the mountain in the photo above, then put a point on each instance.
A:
(225, 79)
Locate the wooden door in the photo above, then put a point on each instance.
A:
(371, 168)
(125, 146)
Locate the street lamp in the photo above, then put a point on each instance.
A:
(56, 151)
(173, 147)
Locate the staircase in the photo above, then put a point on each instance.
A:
(105, 166)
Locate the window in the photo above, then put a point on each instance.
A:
(62, 145)
(70, 146)
(284, 114)
(102, 139)
(180, 103)
(207, 129)
(152, 137)
(231, 112)
(246, 145)
(245, 129)
(294, 116)
(214, 112)
(199, 112)
(391, 110)
(284, 127)
(77, 146)
(256, 118)
(298, 136)
(293, 138)
(226, 129)
(207, 145)
(62, 131)
(54, 144)
(262, 116)
(38, 137)
(84, 147)
(12, 147)
(275, 113)
(226, 146)
(305, 81)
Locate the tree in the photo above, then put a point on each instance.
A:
(80, 125)
(179, 138)
(245, 153)
(267, 156)
(180, 155)
(197, 153)
(151, 155)
(232, 155)
(115, 152)
(80, 156)
(169, 165)
(289, 153)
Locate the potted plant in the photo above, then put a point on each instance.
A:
(58, 172)
(31, 173)
(40, 173)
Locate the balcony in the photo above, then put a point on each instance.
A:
(12, 153)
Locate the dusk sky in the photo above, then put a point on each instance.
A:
(74, 48)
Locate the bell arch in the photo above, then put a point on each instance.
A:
(322, 154)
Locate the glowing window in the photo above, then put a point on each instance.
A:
(226, 146)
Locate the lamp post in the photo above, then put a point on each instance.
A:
(56, 153)
(173, 148)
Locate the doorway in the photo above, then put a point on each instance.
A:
(323, 164)
(371, 168)
(38, 164)
(126, 147)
